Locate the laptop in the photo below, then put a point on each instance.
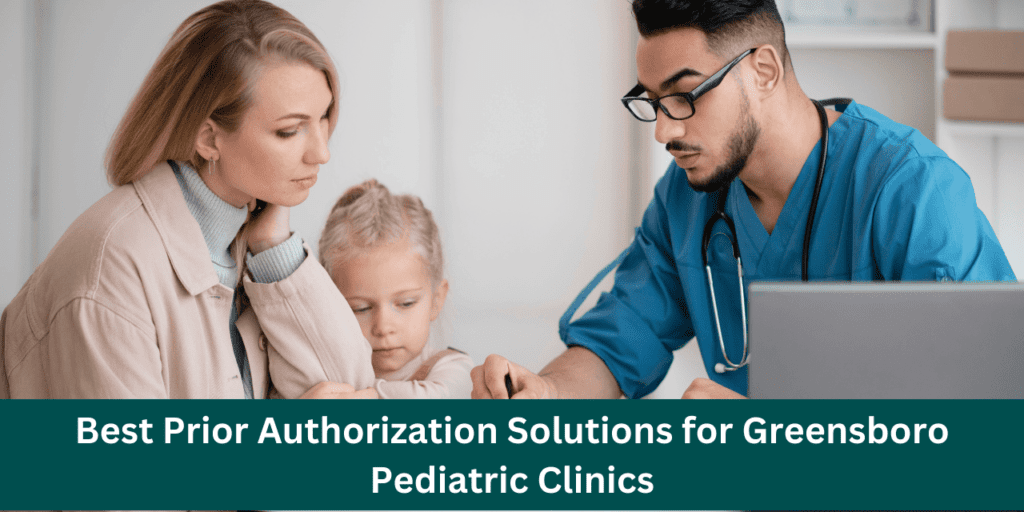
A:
(886, 340)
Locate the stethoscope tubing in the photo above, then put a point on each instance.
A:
(804, 259)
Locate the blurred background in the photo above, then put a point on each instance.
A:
(503, 116)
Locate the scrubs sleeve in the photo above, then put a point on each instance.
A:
(635, 327)
(927, 227)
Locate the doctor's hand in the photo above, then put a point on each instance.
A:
(335, 390)
(706, 388)
(489, 381)
(269, 227)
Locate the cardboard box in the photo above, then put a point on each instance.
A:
(985, 51)
(984, 98)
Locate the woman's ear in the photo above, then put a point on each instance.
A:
(206, 141)
(440, 294)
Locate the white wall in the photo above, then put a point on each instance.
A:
(15, 145)
(535, 162)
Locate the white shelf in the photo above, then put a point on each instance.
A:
(845, 39)
(985, 128)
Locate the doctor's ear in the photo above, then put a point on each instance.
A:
(768, 69)
(206, 140)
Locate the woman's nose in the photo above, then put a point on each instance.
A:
(318, 151)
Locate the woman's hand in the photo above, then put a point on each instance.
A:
(329, 389)
(269, 228)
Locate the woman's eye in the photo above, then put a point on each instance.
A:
(360, 309)
(285, 135)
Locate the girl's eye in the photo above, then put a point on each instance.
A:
(407, 303)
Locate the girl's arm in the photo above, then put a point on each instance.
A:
(447, 378)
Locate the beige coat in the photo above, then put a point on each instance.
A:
(128, 305)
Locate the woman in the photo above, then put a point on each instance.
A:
(185, 281)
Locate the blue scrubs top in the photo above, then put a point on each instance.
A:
(892, 206)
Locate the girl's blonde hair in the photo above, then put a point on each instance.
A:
(368, 215)
(208, 71)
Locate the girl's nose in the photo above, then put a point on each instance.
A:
(383, 321)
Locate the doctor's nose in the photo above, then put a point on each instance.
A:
(667, 129)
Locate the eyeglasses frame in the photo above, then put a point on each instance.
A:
(713, 81)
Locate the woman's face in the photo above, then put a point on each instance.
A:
(277, 150)
(390, 291)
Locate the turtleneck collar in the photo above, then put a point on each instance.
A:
(218, 220)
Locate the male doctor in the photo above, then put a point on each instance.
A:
(716, 78)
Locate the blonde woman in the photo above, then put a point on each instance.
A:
(185, 281)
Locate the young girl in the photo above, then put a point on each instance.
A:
(384, 254)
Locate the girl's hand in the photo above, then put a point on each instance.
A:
(269, 226)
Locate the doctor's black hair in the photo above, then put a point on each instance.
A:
(731, 26)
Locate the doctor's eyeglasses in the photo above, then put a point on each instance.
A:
(677, 106)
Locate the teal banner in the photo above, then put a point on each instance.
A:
(510, 455)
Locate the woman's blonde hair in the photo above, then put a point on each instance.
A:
(368, 215)
(208, 71)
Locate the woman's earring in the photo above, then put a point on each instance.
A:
(213, 166)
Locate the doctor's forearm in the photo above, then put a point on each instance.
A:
(579, 373)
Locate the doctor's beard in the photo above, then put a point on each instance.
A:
(741, 144)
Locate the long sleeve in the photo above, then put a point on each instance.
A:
(311, 331)
(89, 351)
(447, 378)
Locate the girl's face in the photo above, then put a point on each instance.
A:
(277, 150)
(391, 294)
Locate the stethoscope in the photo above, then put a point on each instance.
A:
(728, 365)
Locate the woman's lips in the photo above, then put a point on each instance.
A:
(307, 182)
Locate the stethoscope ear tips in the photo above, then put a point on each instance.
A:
(719, 368)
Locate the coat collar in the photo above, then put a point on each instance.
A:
(183, 239)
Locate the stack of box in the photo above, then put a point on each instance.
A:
(986, 75)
